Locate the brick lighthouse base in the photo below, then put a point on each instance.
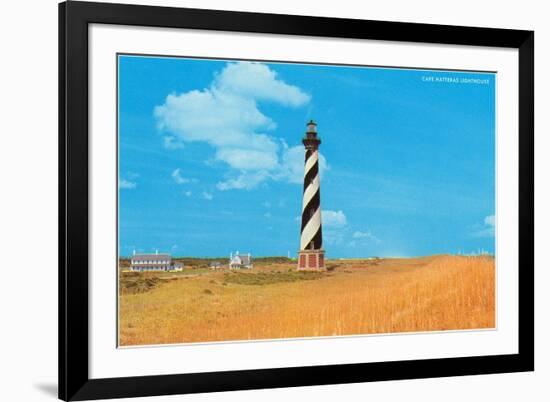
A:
(311, 260)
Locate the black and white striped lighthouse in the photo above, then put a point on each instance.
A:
(311, 255)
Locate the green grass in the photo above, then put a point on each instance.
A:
(141, 282)
(268, 278)
(133, 283)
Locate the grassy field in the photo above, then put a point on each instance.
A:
(273, 300)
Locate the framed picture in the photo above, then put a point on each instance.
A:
(258, 201)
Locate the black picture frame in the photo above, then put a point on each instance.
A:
(74, 381)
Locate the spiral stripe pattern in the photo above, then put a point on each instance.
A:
(311, 233)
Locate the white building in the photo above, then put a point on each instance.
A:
(153, 262)
(237, 261)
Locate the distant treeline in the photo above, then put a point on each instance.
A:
(204, 262)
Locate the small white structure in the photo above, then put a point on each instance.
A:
(237, 261)
(177, 266)
(215, 265)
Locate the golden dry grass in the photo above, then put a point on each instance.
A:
(395, 295)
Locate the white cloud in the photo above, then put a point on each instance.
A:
(188, 193)
(207, 196)
(226, 116)
(333, 219)
(245, 181)
(337, 231)
(257, 166)
(248, 159)
(126, 184)
(256, 80)
(488, 228)
(266, 204)
(178, 178)
(334, 226)
(267, 215)
(171, 142)
(365, 236)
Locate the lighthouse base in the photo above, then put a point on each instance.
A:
(311, 260)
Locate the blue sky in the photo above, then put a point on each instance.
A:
(211, 160)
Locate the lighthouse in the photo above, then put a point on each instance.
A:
(311, 255)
